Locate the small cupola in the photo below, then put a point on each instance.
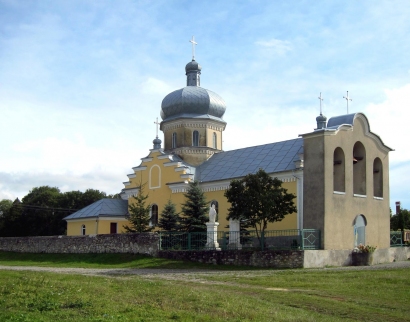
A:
(157, 143)
(321, 119)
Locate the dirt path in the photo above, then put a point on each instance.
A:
(185, 274)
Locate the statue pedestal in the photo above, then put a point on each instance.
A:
(212, 235)
(234, 234)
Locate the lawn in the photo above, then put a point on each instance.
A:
(242, 295)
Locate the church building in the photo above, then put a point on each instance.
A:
(339, 172)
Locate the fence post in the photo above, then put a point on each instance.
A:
(302, 233)
(262, 240)
(189, 241)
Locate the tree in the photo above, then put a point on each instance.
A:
(194, 209)
(170, 219)
(259, 199)
(5, 206)
(92, 195)
(42, 210)
(139, 214)
(400, 221)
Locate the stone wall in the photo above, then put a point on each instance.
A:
(268, 259)
(144, 243)
(343, 257)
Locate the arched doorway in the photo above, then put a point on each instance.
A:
(359, 229)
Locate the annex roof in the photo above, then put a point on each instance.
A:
(273, 157)
(102, 208)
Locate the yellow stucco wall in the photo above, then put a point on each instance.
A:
(94, 226)
(158, 175)
(160, 193)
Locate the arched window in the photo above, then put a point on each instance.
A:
(195, 138)
(378, 178)
(339, 170)
(359, 226)
(214, 145)
(154, 216)
(83, 230)
(174, 140)
(359, 169)
(155, 177)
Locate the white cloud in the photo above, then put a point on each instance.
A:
(278, 46)
(154, 86)
(390, 120)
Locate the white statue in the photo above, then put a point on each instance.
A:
(212, 214)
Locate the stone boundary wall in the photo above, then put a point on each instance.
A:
(343, 257)
(268, 259)
(144, 243)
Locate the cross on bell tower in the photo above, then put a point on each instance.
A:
(347, 98)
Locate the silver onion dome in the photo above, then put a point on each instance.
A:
(192, 66)
(192, 101)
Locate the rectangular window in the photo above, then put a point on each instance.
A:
(113, 228)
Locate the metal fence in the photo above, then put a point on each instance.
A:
(272, 240)
(396, 239)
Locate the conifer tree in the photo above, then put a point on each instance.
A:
(169, 220)
(139, 214)
(194, 209)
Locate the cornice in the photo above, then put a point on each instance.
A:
(139, 168)
(195, 150)
(213, 125)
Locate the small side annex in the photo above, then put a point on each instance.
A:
(105, 216)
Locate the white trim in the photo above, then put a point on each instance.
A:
(81, 219)
(200, 123)
(181, 168)
(130, 192)
(147, 159)
(299, 199)
(370, 134)
(126, 183)
(112, 218)
(159, 177)
(139, 168)
(172, 163)
(132, 175)
(165, 156)
(95, 218)
(378, 198)
(359, 196)
(339, 192)
(179, 187)
(224, 184)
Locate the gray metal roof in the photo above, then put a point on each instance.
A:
(273, 157)
(192, 100)
(102, 208)
(336, 121)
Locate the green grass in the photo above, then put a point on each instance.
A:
(104, 261)
(380, 295)
(241, 295)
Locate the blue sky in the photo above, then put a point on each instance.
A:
(81, 82)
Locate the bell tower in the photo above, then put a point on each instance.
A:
(192, 119)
